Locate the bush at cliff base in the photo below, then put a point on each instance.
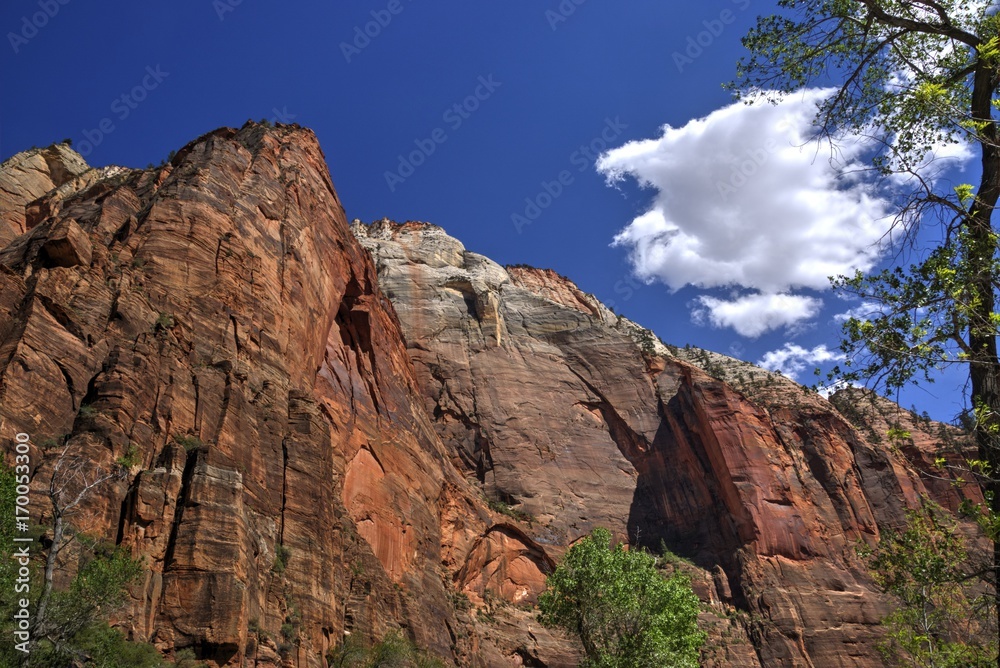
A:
(625, 613)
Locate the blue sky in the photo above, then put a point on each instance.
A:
(542, 88)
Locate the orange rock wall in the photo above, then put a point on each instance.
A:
(344, 429)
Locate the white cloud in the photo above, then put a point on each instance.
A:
(754, 314)
(792, 359)
(745, 198)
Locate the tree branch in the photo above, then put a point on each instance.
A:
(946, 29)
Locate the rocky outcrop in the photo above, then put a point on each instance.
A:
(27, 176)
(328, 433)
(215, 323)
(576, 418)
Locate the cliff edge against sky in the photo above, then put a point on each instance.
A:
(346, 429)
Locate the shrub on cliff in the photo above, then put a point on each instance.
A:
(71, 629)
(626, 614)
(393, 651)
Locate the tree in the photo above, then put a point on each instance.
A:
(938, 622)
(68, 626)
(73, 622)
(910, 76)
(100, 582)
(626, 614)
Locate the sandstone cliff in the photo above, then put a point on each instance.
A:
(576, 418)
(336, 432)
(217, 318)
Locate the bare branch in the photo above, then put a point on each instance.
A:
(945, 28)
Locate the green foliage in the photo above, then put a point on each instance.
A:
(352, 653)
(908, 82)
(965, 193)
(290, 627)
(898, 437)
(164, 321)
(74, 624)
(129, 458)
(189, 443)
(54, 442)
(927, 316)
(911, 77)
(186, 658)
(99, 589)
(626, 614)
(505, 508)
(393, 651)
(905, 77)
(706, 361)
(281, 555)
(254, 629)
(671, 559)
(108, 648)
(647, 341)
(896, 433)
(460, 602)
(939, 622)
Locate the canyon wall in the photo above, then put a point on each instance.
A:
(333, 429)
(575, 418)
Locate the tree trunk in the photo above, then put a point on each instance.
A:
(984, 367)
(50, 569)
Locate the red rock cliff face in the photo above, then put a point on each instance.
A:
(578, 418)
(333, 437)
(217, 319)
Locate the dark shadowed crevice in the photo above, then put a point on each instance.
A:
(480, 460)
(354, 322)
(529, 660)
(678, 502)
(182, 501)
(127, 513)
(220, 653)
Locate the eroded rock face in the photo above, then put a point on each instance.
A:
(27, 176)
(576, 418)
(216, 321)
(329, 437)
